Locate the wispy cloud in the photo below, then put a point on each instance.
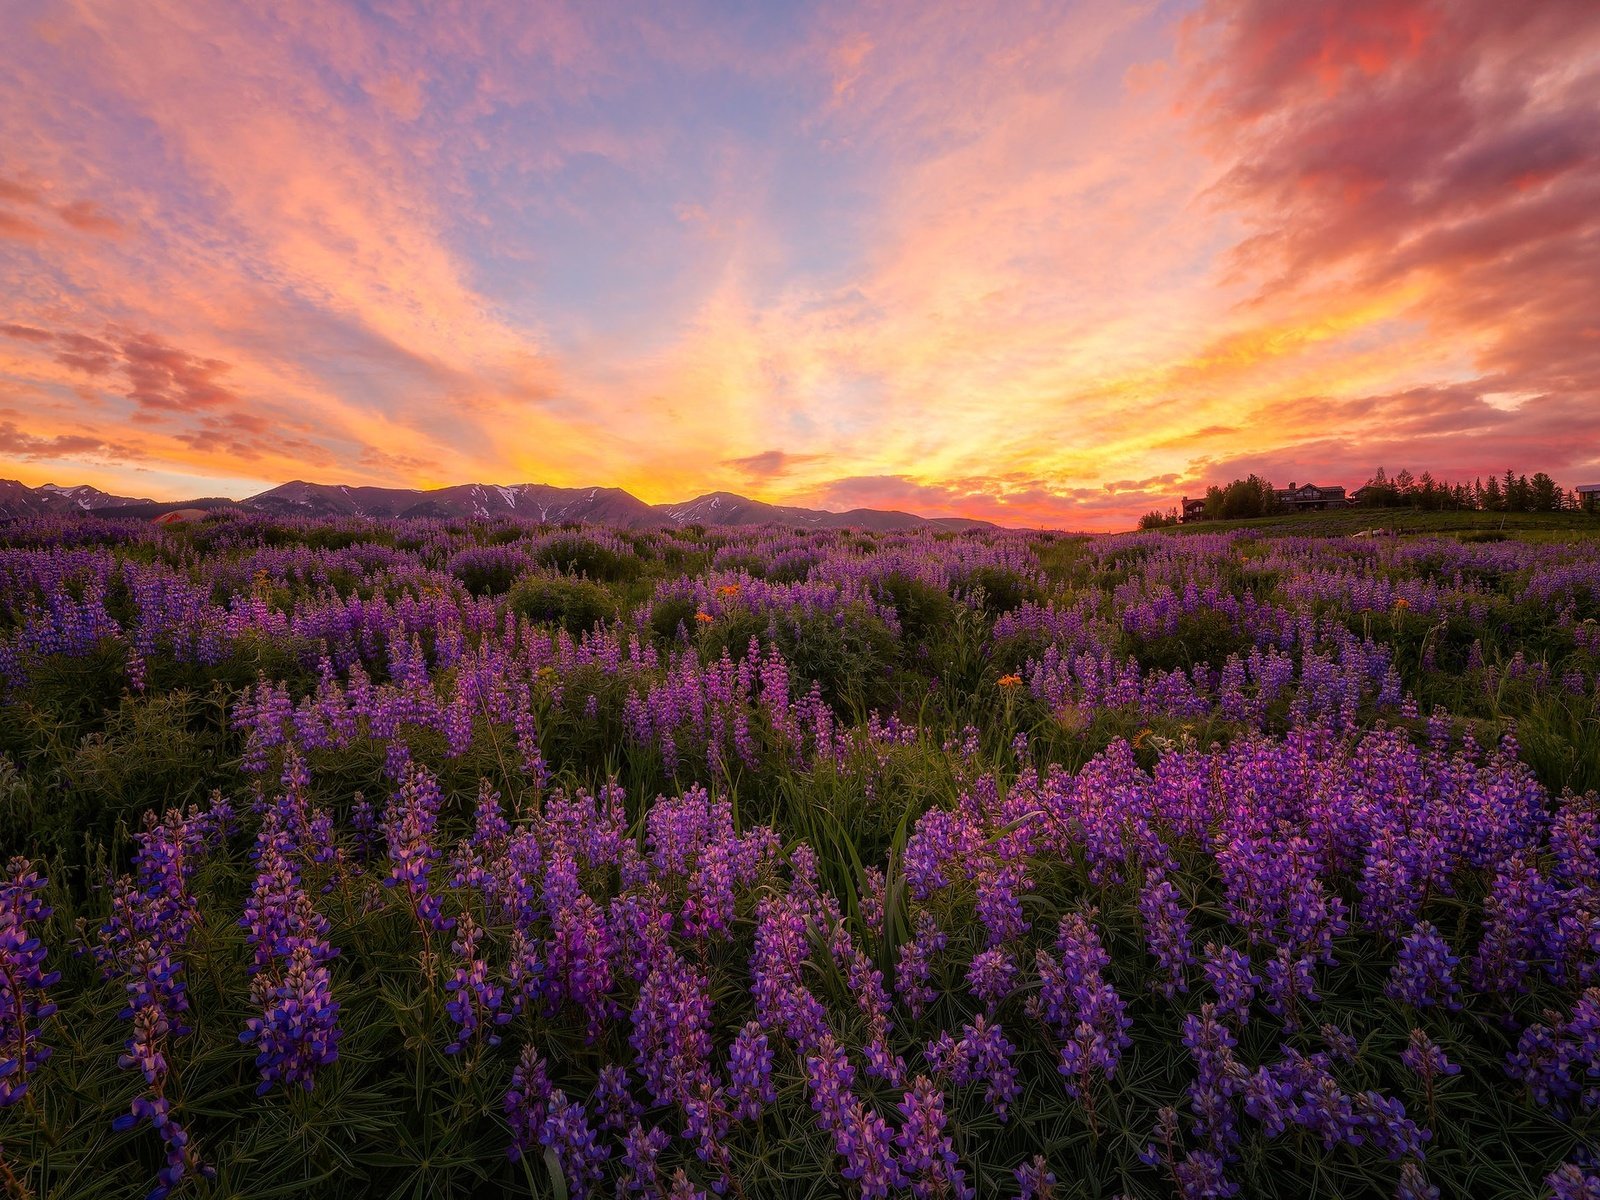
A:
(1053, 265)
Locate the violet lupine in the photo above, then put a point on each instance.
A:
(671, 1036)
(612, 1100)
(706, 1122)
(982, 1053)
(24, 982)
(860, 1136)
(1423, 1057)
(999, 903)
(1166, 933)
(527, 1103)
(641, 1148)
(578, 1151)
(783, 1002)
(1084, 1011)
(1559, 1060)
(1571, 1181)
(1219, 1079)
(408, 828)
(541, 1115)
(579, 962)
(866, 985)
(874, 890)
(298, 1030)
(1228, 972)
(991, 975)
(750, 1073)
(1414, 1184)
(927, 1155)
(916, 964)
(181, 1159)
(1035, 1181)
(1424, 971)
(146, 1050)
(475, 1004)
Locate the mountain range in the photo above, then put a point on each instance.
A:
(533, 501)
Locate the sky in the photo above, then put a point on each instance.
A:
(1043, 263)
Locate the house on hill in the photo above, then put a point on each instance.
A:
(1300, 497)
(1588, 496)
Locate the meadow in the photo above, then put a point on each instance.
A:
(433, 858)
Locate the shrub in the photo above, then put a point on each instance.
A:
(574, 604)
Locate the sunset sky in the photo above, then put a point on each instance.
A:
(1041, 263)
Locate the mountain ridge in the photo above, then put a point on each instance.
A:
(542, 502)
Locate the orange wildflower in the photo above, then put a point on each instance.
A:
(1010, 681)
(704, 618)
(728, 589)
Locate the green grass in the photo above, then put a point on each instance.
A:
(1531, 527)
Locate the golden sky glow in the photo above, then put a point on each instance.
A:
(1043, 263)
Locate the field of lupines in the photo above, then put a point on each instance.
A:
(428, 858)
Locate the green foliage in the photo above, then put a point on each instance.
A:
(922, 609)
(576, 605)
(579, 555)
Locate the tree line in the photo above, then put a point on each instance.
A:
(1255, 496)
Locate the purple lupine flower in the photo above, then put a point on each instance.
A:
(1034, 1180)
(991, 976)
(1341, 1046)
(1218, 1080)
(916, 964)
(578, 1152)
(24, 982)
(1384, 1125)
(829, 1077)
(874, 889)
(1083, 1010)
(1287, 979)
(1414, 1185)
(866, 1143)
(1559, 1060)
(1424, 971)
(1228, 972)
(706, 1122)
(987, 1055)
(475, 1004)
(527, 1103)
(671, 1035)
(783, 1002)
(1166, 933)
(927, 1156)
(613, 1100)
(408, 828)
(181, 1157)
(1203, 1175)
(298, 1030)
(1424, 1057)
(750, 1073)
(581, 951)
(1570, 1181)
(999, 902)
(146, 1049)
(640, 1150)
(683, 1187)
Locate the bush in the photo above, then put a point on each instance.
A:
(577, 555)
(921, 608)
(1003, 590)
(577, 605)
(488, 570)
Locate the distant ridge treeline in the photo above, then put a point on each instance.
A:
(1255, 496)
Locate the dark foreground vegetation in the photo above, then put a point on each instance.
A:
(449, 858)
